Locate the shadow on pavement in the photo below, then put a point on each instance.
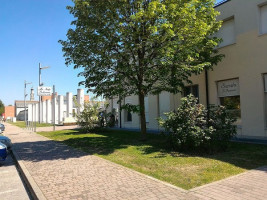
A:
(46, 150)
(8, 162)
(247, 156)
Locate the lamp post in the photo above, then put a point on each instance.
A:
(40, 84)
(25, 94)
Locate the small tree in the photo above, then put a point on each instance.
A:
(88, 119)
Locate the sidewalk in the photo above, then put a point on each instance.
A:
(10, 182)
(60, 172)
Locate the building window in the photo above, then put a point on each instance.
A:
(128, 116)
(263, 19)
(193, 89)
(229, 95)
(265, 96)
(232, 104)
(227, 32)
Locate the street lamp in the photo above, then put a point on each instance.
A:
(40, 84)
(25, 94)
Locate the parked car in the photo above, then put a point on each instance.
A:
(3, 152)
(6, 141)
(2, 127)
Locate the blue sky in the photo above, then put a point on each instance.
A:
(29, 34)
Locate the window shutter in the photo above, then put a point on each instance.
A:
(263, 19)
(227, 32)
(265, 82)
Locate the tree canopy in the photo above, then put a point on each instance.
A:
(141, 47)
(2, 107)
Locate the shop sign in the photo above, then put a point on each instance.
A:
(44, 91)
(228, 88)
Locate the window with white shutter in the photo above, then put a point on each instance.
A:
(263, 19)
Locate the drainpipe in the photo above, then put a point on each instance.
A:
(120, 110)
(158, 109)
(207, 91)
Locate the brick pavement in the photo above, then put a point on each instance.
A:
(64, 173)
(245, 186)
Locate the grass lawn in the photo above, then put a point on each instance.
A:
(155, 159)
(21, 124)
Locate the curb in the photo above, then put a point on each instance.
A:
(32, 187)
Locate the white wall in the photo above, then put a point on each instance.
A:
(69, 97)
(44, 111)
(60, 108)
(48, 111)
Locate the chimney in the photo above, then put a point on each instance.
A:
(32, 95)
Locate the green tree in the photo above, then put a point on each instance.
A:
(137, 47)
(2, 108)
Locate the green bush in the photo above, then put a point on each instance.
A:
(222, 121)
(189, 128)
(88, 119)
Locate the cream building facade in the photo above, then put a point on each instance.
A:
(239, 81)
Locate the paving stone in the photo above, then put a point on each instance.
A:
(65, 173)
(62, 172)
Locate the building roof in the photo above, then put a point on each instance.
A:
(220, 2)
(20, 104)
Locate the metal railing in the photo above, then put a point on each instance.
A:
(31, 126)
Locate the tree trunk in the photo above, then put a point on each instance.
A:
(142, 114)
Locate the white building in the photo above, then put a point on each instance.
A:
(59, 109)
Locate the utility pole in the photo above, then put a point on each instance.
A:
(25, 94)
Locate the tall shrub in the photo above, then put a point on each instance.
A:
(190, 129)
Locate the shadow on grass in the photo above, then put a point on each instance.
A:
(246, 156)
(105, 142)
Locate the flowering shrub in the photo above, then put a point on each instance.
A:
(88, 119)
(189, 128)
